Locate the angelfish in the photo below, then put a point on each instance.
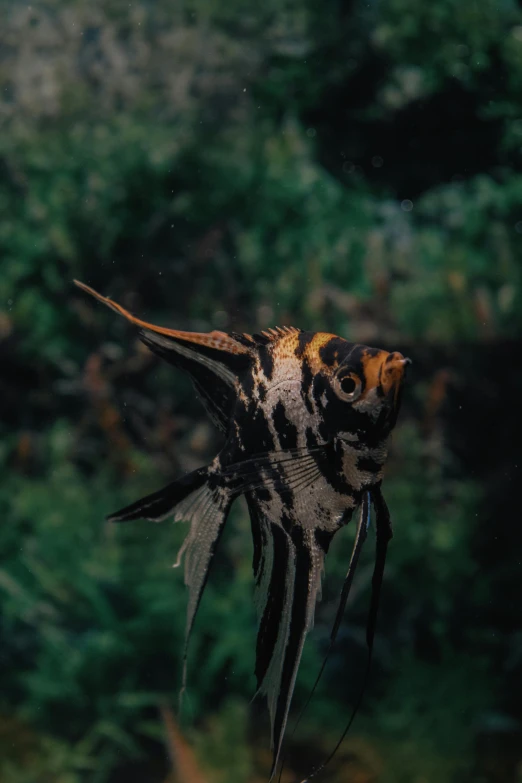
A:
(306, 418)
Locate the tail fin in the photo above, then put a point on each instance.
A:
(199, 499)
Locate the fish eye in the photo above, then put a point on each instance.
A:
(348, 387)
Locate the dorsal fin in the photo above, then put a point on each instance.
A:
(213, 360)
(216, 340)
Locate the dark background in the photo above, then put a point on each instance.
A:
(344, 166)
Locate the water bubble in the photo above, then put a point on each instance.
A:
(377, 161)
(406, 205)
(311, 132)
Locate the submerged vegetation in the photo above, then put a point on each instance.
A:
(347, 167)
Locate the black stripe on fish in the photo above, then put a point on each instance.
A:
(303, 341)
(257, 537)
(215, 396)
(333, 350)
(273, 608)
(329, 461)
(297, 629)
(368, 464)
(286, 522)
(266, 360)
(332, 470)
(286, 431)
(257, 436)
(323, 539)
(311, 439)
(307, 562)
(263, 494)
(262, 339)
(350, 419)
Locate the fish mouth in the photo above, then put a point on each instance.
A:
(392, 381)
(393, 371)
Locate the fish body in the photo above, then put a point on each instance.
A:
(306, 418)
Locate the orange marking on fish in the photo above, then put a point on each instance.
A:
(285, 348)
(312, 353)
(383, 369)
(372, 368)
(393, 371)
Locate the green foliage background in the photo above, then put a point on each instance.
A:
(345, 166)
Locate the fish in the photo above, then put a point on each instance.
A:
(306, 419)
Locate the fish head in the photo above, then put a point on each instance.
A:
(363, 392)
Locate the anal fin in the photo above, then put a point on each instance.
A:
(288, 566)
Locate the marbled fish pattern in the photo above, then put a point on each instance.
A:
(306, 418)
